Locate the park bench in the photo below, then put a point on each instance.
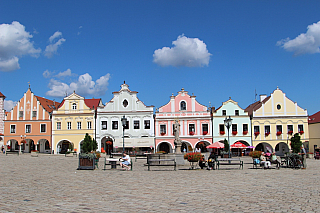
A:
(12, 153)
(229, 161)
(158, 161)
(114, 162)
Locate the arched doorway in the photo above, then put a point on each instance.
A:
(165, 147)
(281, 148)
(186, 147)
(264, 147)
(43, 146)
(31, 146)
(107, 145)
(63, 146)
(202, 145)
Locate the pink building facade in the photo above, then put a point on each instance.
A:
(194, 119)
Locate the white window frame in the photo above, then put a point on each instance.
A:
(59, 125)
(12, 125)
(89, 125)
(78, 124)
(69, 125)
(45, 128)
(26, 128)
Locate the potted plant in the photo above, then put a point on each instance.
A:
(290, 132)
(162, 133)
(301, 132)
(245, 132)
(191, 133)
(256, 133)
(34, 153)
(222, 132)
(255, 154)
(279, 133)
(226, 149)
(234, 132)
(192, 156)
(87, 157)
(205, 132)
(267, 133)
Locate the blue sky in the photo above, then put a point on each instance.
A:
(214, 49)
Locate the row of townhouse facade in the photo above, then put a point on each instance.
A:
(37, 123)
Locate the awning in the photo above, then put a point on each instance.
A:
(238, 145)
(215, 145)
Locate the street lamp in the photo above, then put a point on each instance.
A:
(124, 123)
(228, 123)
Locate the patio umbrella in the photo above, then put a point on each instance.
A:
(250, 147)
(215, 145)
(238, 145)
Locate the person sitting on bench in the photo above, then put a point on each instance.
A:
(264, 161)
(126, 161)
(202, 162)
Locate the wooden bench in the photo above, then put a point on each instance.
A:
(13, 153)
(114, 163)
(229, 161)
(161, 162)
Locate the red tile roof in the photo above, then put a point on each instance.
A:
(315, 118)
(255, 106)
(47, 104)
(93, 102)
(1, 95)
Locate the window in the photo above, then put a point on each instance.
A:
(236, 112)
(221, 128)
(267, 130)
(245, 127)
(74, 106)
(191, 129)
(300, 128)
(278, 107)
(256, 129)
(34, 114)
(279, 128)
(68, 125)
(103, 124)
(79, 125)
(290, 129)
(58, 125)
(12, 128)
(125, 103)
(28, 128)
(234, 127)
(89, 125)
(136, 125)
(205, 129)
(127, 125)
(147, 124)
(163, 129)
(114, 124)
(43, 127)
(183, 105)
(20, 114)
(224, 112)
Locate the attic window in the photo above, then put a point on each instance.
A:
(183, 105)
(74, 106)
(125, 103)
(278, 107)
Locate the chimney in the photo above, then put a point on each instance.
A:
(262, 97)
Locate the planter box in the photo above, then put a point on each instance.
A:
(86, 163)
(34, 154)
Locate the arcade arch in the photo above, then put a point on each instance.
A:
(264, 147)
(164, 146)
(281, 148)
(63, 146)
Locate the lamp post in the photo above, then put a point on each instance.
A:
(228, 123)
(124, 123)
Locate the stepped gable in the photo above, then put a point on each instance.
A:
(47, 104)
(315, 118)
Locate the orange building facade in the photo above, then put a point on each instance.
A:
(28, 125)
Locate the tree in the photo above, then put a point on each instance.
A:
(226, 145)
(295, 143)
(88, 144)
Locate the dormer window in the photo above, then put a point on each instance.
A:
(74, 106)
(125, 103)
(183, 105)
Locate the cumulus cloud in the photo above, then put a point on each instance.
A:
(189, 52)
(64, 74)
(52, 48)
(8, 105)
(47, 74)
(15, 43)
(308, 42)
(83, 86)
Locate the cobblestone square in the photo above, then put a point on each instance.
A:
(52, 183)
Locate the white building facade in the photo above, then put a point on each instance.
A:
(139, 128)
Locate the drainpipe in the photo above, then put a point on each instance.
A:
(154, 132)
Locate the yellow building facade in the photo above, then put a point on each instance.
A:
(274, 120)
(314, 131)
(71, 121)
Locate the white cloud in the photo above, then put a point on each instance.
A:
(190, 52)
(84, 86)
(52, 48)
(65, 73)
(8, 105)
(47, 74)
(14, 43)
(308, 42)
